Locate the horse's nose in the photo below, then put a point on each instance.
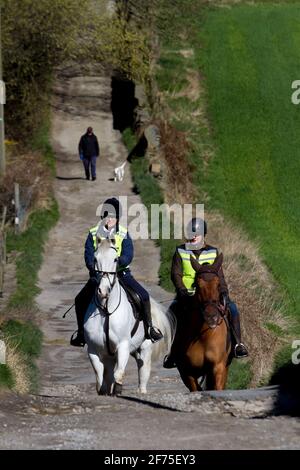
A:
(103, 293)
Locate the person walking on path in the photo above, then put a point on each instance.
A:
(88, 152)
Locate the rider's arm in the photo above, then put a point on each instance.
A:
(176, 272)
(223, 283)
(127, 252)
(89, 252)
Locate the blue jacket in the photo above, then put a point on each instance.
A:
(124, 260)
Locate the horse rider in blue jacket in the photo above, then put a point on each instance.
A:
(183, 277)
(110, 215)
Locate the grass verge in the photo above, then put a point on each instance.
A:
(29, 246)
(22, 336)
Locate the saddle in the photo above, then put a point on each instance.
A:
(134, 300)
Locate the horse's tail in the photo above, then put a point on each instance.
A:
(166, 322)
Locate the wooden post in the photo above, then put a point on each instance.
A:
(2, 352)
(2, 250)
(2, 102)
(17, 208)
(1, 264)
(3, 218)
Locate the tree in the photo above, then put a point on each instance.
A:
(36, 37)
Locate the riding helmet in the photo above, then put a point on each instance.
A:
(111, 207)
(196, 226)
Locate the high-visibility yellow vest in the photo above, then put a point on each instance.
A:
(119, 237)
(189, 274)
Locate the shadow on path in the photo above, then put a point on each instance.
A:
(70, 178)
(149, 403)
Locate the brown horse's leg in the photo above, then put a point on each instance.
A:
(190, 382)
(220, 376)
(225, 378)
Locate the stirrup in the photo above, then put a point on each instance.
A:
(244, 352)
(169, 363)
(154, 334)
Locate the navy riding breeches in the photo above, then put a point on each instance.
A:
(128, 280)
(233, 309)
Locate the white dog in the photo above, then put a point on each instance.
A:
(119, 172)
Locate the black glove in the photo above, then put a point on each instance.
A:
(94, 276)
(183, 293)
(92, 272)
(225, 298)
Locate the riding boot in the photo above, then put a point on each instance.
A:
(82, 302)
(152, 333)
(240, 349)
(169, 360)
(78, 340)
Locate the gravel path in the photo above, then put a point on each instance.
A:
(67, 413)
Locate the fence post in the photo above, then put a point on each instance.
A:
(2, 250)
(17, 208)
(2, 352)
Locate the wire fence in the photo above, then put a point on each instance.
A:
(17, 214)
(2, 249)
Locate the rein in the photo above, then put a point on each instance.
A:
(219, 308)
(105, 308)
(112, 284)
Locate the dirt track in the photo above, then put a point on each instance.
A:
(67, 413)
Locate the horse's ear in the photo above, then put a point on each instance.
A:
(195, 264)
(218, 262)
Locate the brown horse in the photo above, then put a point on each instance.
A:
(205, 344)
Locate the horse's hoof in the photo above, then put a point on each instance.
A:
(117, 389)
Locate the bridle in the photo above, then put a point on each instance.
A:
(106, 274)
(220, 311)
(111, 285)
(215, 318)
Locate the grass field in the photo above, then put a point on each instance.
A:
(225, 72)
(250, 57)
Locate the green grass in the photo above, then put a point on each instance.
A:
(239, 375)
(30, 248)
(6, 377)
(27, 339)
(41, 142)
(30, 244)
(275, 329)
(247, 56)
(24, 335)
(170, 75)
(250, 57)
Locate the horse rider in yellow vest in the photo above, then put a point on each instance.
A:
(183, 277)
(109, 225)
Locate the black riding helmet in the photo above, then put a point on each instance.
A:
(111, 207)
(196, 226)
